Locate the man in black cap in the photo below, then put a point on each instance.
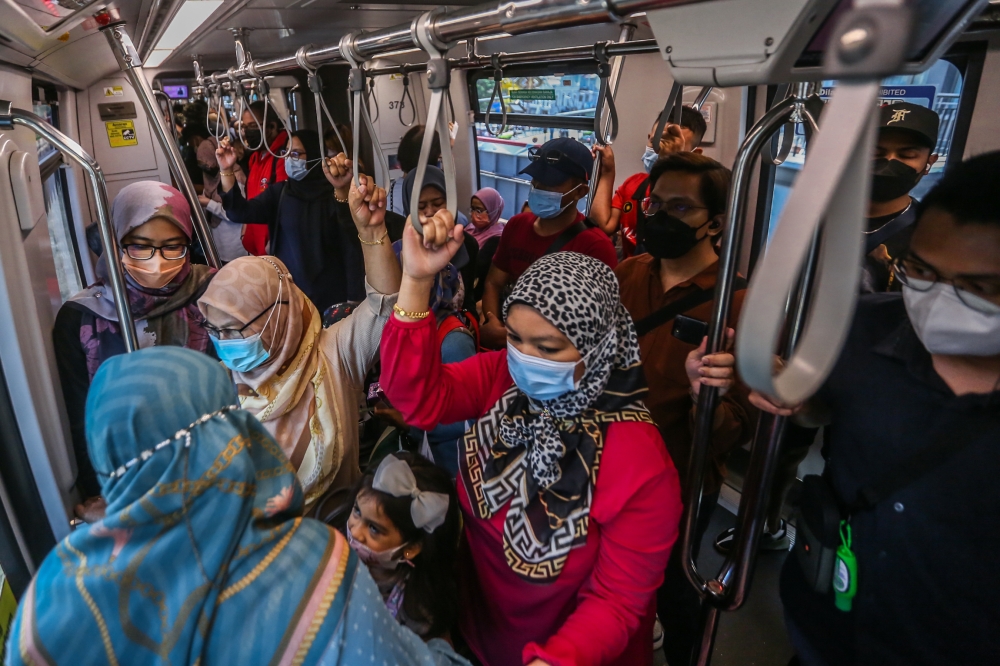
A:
(905, 153)
(559, 171)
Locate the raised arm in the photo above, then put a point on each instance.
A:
(601, 212)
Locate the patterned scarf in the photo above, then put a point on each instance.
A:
(544, 457)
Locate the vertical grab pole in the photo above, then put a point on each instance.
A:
(626, 34)
(713, 589)
(10, 116)
(128, 60)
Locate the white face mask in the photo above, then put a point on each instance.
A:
(946, 325)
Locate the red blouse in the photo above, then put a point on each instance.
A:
(600, 609)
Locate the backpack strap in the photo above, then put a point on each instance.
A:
(568, 234)
(680, 306)
(459, 321)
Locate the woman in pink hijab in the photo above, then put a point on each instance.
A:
(485, 211)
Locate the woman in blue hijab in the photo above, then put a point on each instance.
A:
(203, 556)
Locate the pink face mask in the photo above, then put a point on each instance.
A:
(154, 273)
(386, 559)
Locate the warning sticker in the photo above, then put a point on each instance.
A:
(8, 608)
(121, 133)
(113, 91)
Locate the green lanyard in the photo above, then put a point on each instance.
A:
(845, 572)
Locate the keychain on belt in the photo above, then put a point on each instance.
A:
(845, 571)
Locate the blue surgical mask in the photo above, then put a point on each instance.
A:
(242, 354)
(541, 379)
(296, 168)
(649, 159)
(547, 205)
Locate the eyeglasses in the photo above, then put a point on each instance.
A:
(294, 154)
(230, 333)
(651, 206)
(478, 211)
(974, 293)
(146, 252)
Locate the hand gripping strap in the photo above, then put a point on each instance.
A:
(674, 99)
(435, 120)
(831, 191)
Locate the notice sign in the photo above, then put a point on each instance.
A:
(113, 91)
(8, 608)
(121, 133)
(535, 94)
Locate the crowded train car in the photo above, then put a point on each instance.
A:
(520, 333)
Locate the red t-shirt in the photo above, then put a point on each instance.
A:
(623, 201)
(520, 245)
(262, 170)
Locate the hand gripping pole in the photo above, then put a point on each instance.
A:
(438, 80)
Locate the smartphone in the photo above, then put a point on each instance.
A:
(690, 330)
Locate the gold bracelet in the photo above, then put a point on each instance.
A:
(227, 173)
(338, 199)
(409, 315)
(380, 241)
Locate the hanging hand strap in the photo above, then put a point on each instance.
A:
(604, 97)
(402, 102)
(372, 99)
(780, 148)
(316, 86)
(438, 80)
(497, 92)
(674, 99)
(830, 193)
(356, 85)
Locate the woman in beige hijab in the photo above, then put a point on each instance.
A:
(304, 382)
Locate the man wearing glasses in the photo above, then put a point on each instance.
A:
(682, 216)
(559, 172)
(913, 407)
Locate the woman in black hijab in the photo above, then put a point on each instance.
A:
(309, 221)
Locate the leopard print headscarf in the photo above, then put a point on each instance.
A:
(544, 456)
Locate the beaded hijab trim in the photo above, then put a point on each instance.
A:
(184, 433)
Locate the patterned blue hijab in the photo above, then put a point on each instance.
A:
(203, 556)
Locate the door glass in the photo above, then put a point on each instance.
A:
(939, 88)
(60, 235)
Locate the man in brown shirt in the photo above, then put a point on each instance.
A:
(683, 214)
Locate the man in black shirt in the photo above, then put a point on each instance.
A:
(905, 153)
(913, 452)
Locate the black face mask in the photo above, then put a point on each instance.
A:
(892, 179)
(252, 138)
(667, 237)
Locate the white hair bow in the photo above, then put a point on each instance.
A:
(428, 509)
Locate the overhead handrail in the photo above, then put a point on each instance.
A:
(131, 65)
(10, 116)
(402, 102)
(316, 86)
(605, 97)
(702, 97)
(672, 108)
(438, 80)
(497, 92)
(356, 85)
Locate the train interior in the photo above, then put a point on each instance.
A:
(555, 66)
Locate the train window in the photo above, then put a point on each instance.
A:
(940, 88)
(65, 254)
(541, 104)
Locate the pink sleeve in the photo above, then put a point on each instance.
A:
(428, 392)
(637, 506)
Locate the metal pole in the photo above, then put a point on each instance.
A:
(131, 65)
(10, 116)
(627, 31)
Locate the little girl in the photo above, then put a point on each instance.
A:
(404, 525)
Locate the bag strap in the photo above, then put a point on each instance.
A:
(680, 306)
(945, 446)
(568, 234)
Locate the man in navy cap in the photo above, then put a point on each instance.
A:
(559, 171)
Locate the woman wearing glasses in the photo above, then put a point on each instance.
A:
(152, 223)
(309, 225)
(304, 382)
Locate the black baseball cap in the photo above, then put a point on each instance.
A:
(918, 120)
(558, 160)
